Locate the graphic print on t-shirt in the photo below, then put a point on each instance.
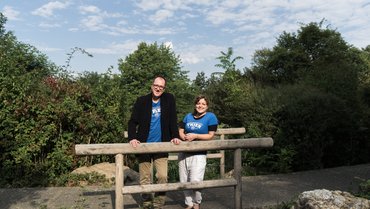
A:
(194, 125)
(155, 132)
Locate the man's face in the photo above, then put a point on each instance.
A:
(158, 87)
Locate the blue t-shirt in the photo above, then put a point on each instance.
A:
(202, 125)
(199, 125)
(155, 131)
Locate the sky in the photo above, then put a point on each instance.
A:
(196, 30)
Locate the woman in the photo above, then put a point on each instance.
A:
(197, 126)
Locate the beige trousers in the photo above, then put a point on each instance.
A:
(146, 172)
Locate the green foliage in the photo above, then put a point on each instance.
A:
(277, 160)
(212, 169)
(364, 190)
(313, 123)
(71, 54)
(297, 55)
(44, 112)
(173, 171)
(226, 62)
(284, 204)
(304, 92)
(200, 83)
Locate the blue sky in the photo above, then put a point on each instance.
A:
(197, 30)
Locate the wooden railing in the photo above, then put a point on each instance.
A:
(220, 133)
(119, 149)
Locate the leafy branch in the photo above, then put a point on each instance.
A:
(70, 56)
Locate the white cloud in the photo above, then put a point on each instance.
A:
(161, 15)
(47, 10)
(93, 23)
(96, 20)
(193, 54)
(116, 48)
(148, 5)
(73, 29)
(197, 29)
(49, 49)
(231, 3)
(159, 31)
(89, 9)
(220, 15)
(10, 13)
(166, 9)
(49, 25)
(97, 11)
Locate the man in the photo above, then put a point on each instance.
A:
(153, 119)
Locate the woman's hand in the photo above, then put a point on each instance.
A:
(190, 137)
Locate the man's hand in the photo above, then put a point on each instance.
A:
(176, 141)
(134, 143)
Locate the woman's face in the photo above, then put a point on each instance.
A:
(201, 106)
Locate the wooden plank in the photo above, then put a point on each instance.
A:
(178, 186)
(167, 147)
(225, 131)
(219, 131)
(209, 155)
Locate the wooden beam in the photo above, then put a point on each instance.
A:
(221, 131)
(167, 147)
(209, 156)
(149, 188)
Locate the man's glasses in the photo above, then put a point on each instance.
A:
(158, 86)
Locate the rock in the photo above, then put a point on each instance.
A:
(109, 170)
(325, 199)
(229, 174)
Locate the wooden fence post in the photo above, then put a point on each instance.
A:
(222, 159)
(238, 178)
(119, 181)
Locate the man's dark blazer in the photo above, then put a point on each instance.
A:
(139, 123)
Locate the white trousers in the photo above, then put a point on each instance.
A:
(191, 169)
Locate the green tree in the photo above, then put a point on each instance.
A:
(224, 87)
(296, 55)
(322, 111)
(22, 72)
(45, 111)
(226, 60)
(200, 82)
